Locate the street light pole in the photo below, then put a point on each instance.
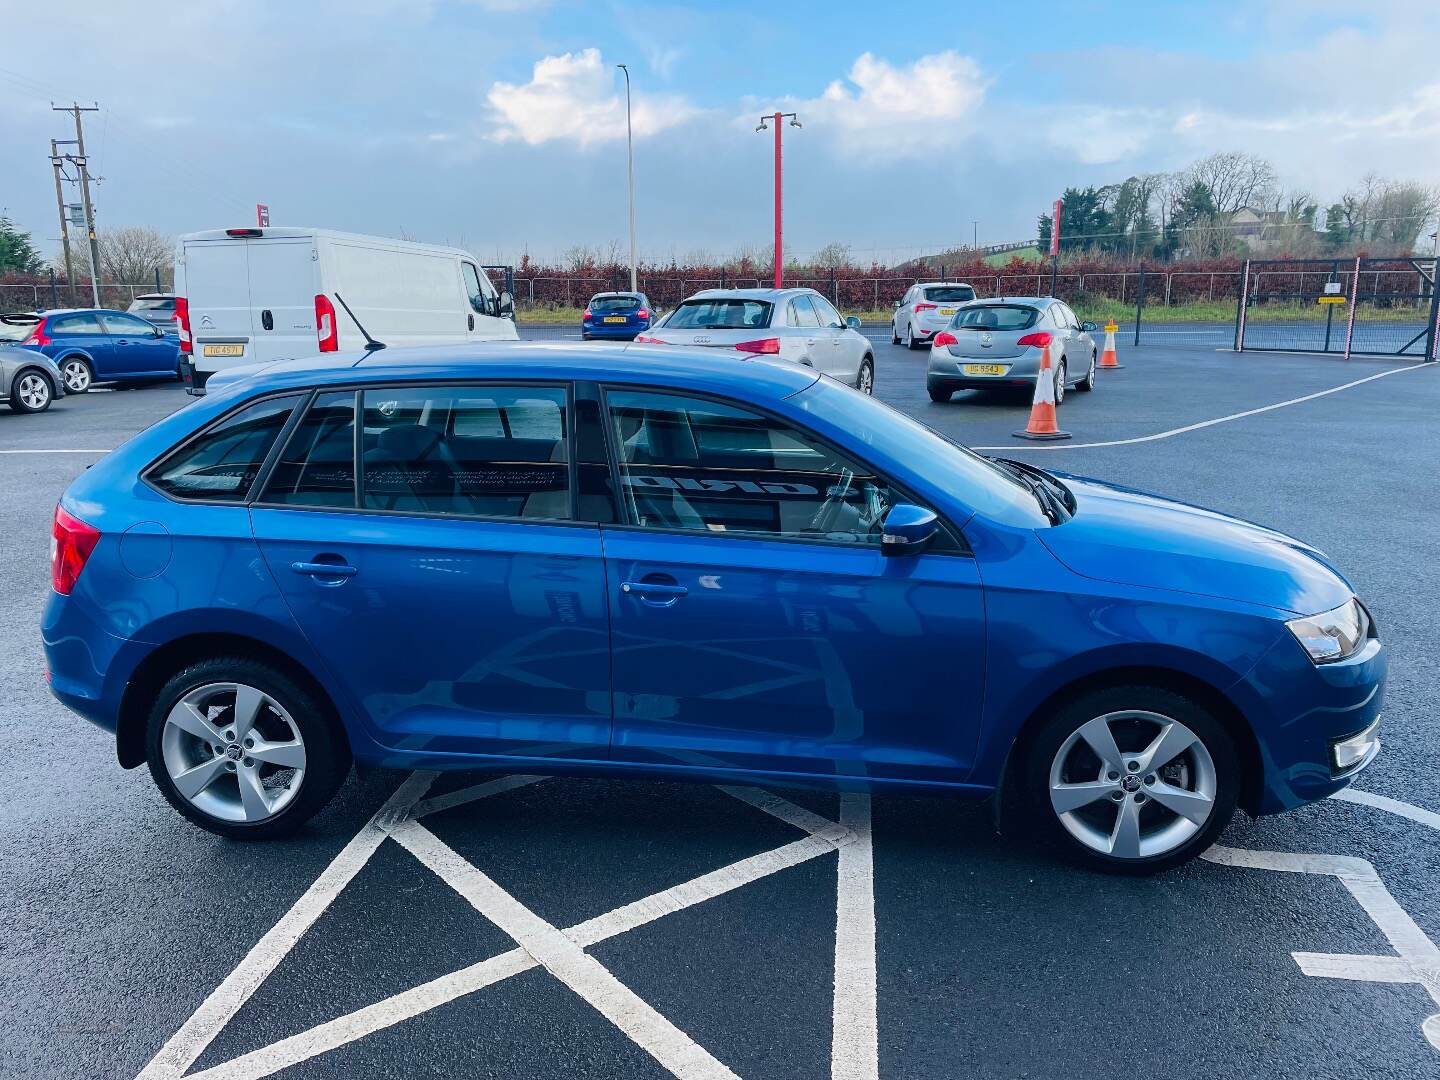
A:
(778, 117)
(630, 166)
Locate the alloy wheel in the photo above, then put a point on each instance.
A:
(77, 376)
(1133, 784)
(866, 382)
(1060, 383)
(233, 752)
(33, 391)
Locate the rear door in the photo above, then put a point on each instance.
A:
(843, 354)
(217, 286)
(282, 273)
(137, 351)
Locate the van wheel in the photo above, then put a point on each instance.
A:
(243, 751)
(77, 373)
(31, 393)
(1132, 779)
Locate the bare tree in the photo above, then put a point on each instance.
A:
(831, 255)
(131, 256)
(1234, 180)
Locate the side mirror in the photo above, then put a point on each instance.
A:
(852, 322)
(1088, 326)
(908, 530)
(896, 305)
(505, 305)
(157, 331)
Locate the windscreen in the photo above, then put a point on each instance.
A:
(610, 304)
(996, 317)
(950, 294)
(728, 313)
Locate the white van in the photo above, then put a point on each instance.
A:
(246, 296)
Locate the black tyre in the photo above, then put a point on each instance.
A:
(31, 392)
(79, 376)
(242, 750)
(865, 380)
(940, 397)
(1131, 779)
(894, 335)
(1061, 374)
(910, 342)
(1088, 383)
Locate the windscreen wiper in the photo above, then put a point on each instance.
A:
(1052, 504)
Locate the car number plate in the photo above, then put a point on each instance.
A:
(984, 369)
(224, 350)
(946, 311)
(614, 318)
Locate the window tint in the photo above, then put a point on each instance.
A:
(995, 317)
(317, 467)
(479, 451)
(687, 463)
(720, 314)
(802, 312)
(128, 325)
(828, 315)
(221, 464)
(950, 294)
(76, 324)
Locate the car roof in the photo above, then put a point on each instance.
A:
(602, 295)
(47, 312)
(669, 367)
(1033, 301)
(771, 294)
(944, 284)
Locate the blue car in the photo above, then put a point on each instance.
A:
(543, 558)
(616, 316)
(91, 345)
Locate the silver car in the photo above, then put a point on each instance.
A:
(927, 309)
(158, 309)
(999, 343)
(793, 324)
(29, 380)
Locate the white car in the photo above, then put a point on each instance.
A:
(926, 310)
(252, 295)
(793, 324)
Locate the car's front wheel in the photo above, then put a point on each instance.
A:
(31, 393)
(1088, 383)
(242, 750)
(77, 373)
(1133, 779)
(865, 381)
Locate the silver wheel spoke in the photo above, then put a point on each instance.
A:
(1174, 739)
(1125, 837)
(248, 702)
(253, 800)
(286, 755)
(193, 781)
(1193, 805)
(1099, 738)
(190, 719)
(1068, 797)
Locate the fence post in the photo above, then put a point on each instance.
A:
(54, 291)
(1432, 332)
(834, 290)
(1242, 304)
(1354, 303)
(1139, 303)
(1168, 278)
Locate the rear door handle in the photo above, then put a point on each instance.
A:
(654, 593)
(324, 569)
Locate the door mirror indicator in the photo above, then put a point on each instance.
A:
(908, 530)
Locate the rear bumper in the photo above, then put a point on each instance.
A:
(946, 370)
(193, 379)
(612, 333)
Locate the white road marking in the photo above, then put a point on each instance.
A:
(1417, 814)
(1157, 436)
(397, 819)
(855, 1039)
(19, 452)
(1418, 960)
(205, 1023)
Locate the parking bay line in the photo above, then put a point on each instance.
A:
(1417, 814)
(1157, 436)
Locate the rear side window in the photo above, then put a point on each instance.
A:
(728, 313)
(222, 462)
(802, 312)
(317, 466)
(77, 324)
(996, 317)
(950, 294)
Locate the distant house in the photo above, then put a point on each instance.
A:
(1260, 229)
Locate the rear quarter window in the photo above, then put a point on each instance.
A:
(221, 463)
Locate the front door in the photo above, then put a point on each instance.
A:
(459, 602)
(137, 350)
(756, 624)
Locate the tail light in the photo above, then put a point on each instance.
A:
(182, 322)
(1039, 340)
(589, 314)
(38, 337)
(326, 329)
(643, 313)
(641, 339)
(944, 337)
(71, 542)
(769, 346)
(243, 233)
(924, 307)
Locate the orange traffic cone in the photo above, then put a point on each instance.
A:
(1042, 409)
(1107, 358)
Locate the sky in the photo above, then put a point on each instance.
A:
(499, 125)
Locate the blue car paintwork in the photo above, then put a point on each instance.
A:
(464, 643)
(123, 352)
(595, 327)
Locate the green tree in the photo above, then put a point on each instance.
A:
(17, 253)
(1084, 220)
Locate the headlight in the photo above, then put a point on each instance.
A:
(1332, 635)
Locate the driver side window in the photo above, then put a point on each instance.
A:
(694, 464)
(479, 297)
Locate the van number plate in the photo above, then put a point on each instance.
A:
(224, 350)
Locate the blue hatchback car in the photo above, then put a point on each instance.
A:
(616, 316)
(552, 559)
(91, 345)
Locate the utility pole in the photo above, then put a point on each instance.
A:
(630, 165)
(975, 235)
(75, 109)
(777, 117)
(56, 163)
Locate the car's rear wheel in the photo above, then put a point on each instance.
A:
(1133, 779)
(31, 393)
(77, 373)
(865, 381)
(242, 750)
(940, 397)
(910, 342)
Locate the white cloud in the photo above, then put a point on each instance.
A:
(901, 110)
(575, 97)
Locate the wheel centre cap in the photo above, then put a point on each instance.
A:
(1131, 783)
(234, 753)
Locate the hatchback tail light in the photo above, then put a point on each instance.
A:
(944, 337)
(326, 329)
(71, 542)
(769, 346)
(641, 339)
(182, 323)
(38, 338)
(924, 307)
(1039, 340)
(643, 313)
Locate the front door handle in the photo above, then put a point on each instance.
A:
(324, 569)
(655, 593)
(471, 322)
